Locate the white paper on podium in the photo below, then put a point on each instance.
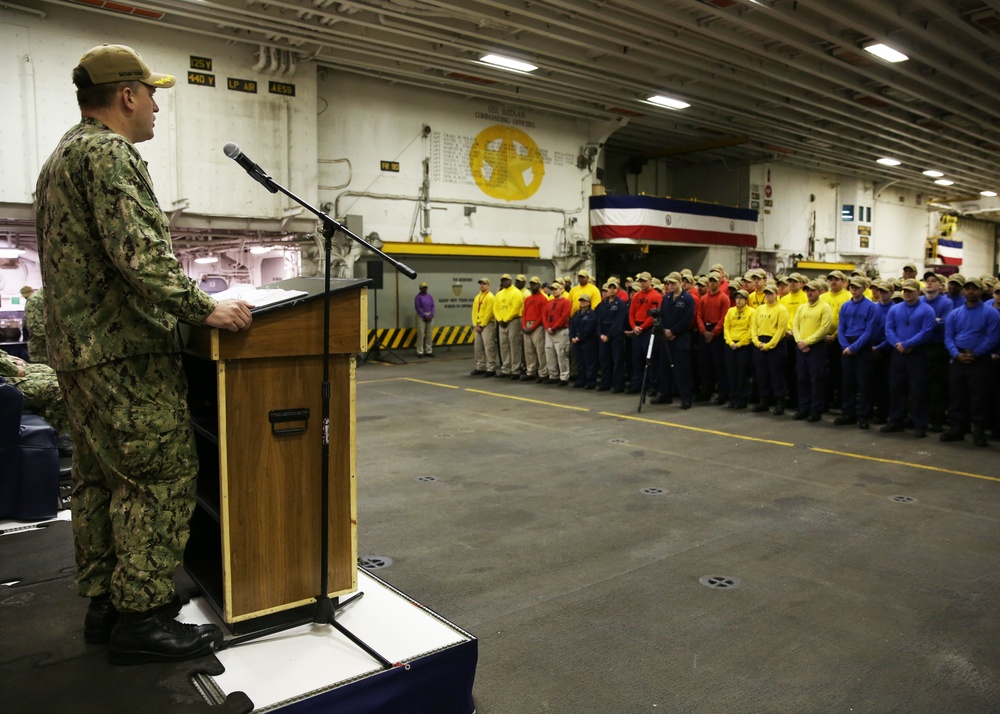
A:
(258, 297)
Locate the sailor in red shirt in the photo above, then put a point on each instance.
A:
(711, 313)
(640, 322)
(534, 332)
(555, 319)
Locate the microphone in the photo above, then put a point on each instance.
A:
(232, 150)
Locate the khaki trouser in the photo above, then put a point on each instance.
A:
(557, 354)
(510, 347)
(425, 336)
(485, 345)
(534, 353)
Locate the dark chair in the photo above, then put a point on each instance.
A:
(29, 461)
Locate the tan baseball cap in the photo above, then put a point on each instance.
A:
(911, 284)
(859, 281)
(536, 280)
(106, 64)
(520, 277)
(674, 277)
(643, 276)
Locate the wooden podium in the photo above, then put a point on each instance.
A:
(256, 405)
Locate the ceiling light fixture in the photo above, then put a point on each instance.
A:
(207, 259)
(885, 52)
(932, 173)
(668, 102)
(988, 194)
(944, 182)
(886, 161)
(261, 249)
(507, 63)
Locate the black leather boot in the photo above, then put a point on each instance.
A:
(153, 636)
(102, 615)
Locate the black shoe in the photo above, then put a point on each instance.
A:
(799, 416)
(578, 385)
(880, 420)
(719, 401)
(891, 428)
(631, 390)
(563, 382)
(430, 354)
(141, 637)
(779, 408)
(515, 377)
(952, 435)
(419, 356)
(477, 372)
(935, 428)
(702, 397)
(661, 400)
(488, 375)
(919, 432)
(759, 407)
(603, 389)
(528, 378)
(591, 386)
(815, 417)
(542, 380)
(102, 615)
(685, 405)
(844, 421)
(979, 436)
(617, 391)
(863, 425)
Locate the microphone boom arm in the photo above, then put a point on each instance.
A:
(330, 225)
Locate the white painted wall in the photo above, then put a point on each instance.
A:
(368, 121)
(185, 158)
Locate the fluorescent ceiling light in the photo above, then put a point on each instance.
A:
(989, 194)
(11, 252)
(507, 63)
(889, 162)
(668, 102)
(944, 182)
(887, 53)
(261, 249)
(932, 173)
(206, 260)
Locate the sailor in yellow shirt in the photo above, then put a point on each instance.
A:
(738, 332)
(508, 304)
(758, 279)
(583, 287)
(485, 326)
(813, 322)
(769, 354)
(835, 298)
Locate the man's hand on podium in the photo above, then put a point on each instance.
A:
(232, 315)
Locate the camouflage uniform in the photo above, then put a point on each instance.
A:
(113, 294)
(40, 388)
(34, 319)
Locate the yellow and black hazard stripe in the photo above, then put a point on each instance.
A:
(402, 337)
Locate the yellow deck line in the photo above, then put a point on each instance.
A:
(698, 429)
(714, 432)
(525, 399)
(433, 384)
(904, 463)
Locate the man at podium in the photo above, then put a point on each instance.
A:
(114, 292)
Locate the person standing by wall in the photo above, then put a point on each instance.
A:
(114, 293)
(908, 328)
(583, 336)
(813, 322)
(508, 305)
(857, 320)
(612, 318)
(423, 303)
(534, 333)
(555, 319)
(770, 326)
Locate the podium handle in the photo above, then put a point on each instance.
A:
(282, 416)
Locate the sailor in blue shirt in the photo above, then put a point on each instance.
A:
(881, 351)
(676, 315)
(908, 328)
(971, 335)
(857, 320)
(612, 321)
(583, 336)
(937, 357)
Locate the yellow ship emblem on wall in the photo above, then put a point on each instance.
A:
(506, 163)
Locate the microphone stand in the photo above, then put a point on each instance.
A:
(325, 609)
